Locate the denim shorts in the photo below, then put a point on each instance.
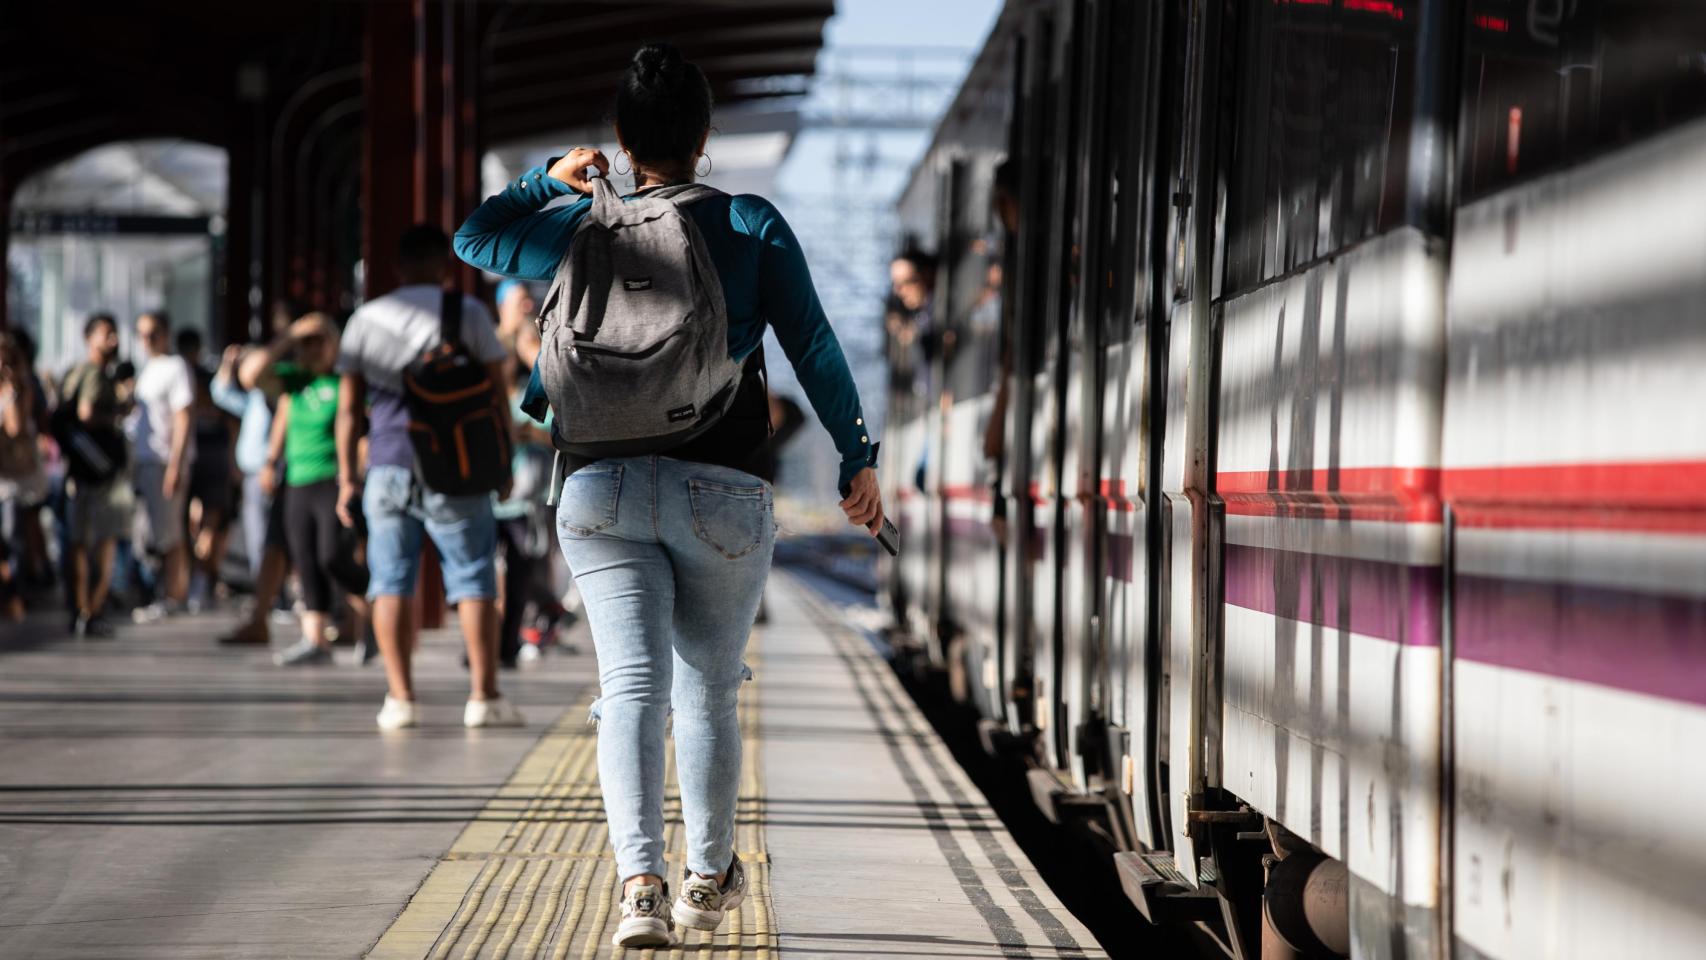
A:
(399, 510)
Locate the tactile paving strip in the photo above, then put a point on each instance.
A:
(534, 876)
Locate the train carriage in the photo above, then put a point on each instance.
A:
(1344, 556)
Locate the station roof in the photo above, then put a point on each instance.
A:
(73, 75)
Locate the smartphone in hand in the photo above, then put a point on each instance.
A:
(889, 537)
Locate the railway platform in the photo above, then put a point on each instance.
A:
(163, 796)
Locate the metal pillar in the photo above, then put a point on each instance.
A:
(421, 152)
(244, 295)
(388, 169)
(420, 158)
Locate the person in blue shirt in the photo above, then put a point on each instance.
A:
(671, 552)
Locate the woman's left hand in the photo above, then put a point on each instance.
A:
(864, 503)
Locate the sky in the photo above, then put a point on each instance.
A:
(882, 22)
(844, 216)
(889, 23)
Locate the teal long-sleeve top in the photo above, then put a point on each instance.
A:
(763, 272)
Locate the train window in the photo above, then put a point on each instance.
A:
(1321, 130)
(975, 273)
(1037, 170)
(1547, 84)
(1128, 115)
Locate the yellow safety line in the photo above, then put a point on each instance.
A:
(596, 930)
(577, 904)
(579, 755)
(554, 900)
(496, 915)
(554, 852)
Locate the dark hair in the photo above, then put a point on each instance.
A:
(423, 244)
(161, 317)
(124, 371)
(189, 341)
(924, 263)
(25, 343)
(97, 319)
(663, 106)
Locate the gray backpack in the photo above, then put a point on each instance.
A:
(634, 353)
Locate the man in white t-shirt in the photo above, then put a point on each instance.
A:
(381, 340)
(164, 444)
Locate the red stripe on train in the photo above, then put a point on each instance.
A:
(1652, 485)
(1657, 497)
(972, 492)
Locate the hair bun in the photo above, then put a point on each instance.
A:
(657, 66)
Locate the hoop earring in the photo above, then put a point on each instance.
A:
(707, 171)
(619, 155)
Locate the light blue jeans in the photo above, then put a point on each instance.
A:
(670, 558)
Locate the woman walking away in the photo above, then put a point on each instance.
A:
(670, 549)
(298, 367)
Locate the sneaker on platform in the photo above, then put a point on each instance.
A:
(303, 653)
(702, 903)
(496, 712)
(397, 714)
(366, 649)
(645, 918)
(247, 635)
(529, 653)
(151, 613)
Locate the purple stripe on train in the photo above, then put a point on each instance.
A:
(1120, 556)
(1391, 601)
(971, 532)
(1640, 642)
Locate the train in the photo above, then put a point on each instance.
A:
(1300, 460)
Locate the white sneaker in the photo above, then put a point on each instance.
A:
(397, 714)
(645, 918)
(702, 903)
(496, 712)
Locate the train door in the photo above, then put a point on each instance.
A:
(934, 625)
(1082, 669)
(1034, 153)
(1133, 335)
(970, 572)
(1187, 551)
(1050, 424)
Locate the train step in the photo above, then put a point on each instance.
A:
(1160, 892)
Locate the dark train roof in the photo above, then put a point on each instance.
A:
(75, 75)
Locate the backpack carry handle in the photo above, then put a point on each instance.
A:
(450, 316)
(606, 202)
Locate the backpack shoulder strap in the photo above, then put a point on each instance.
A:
(450, 316)
(687, 194)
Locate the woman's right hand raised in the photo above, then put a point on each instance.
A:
(571, 168)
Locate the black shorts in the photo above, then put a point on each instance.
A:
(213, 488)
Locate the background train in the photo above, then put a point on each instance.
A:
(1301, 460)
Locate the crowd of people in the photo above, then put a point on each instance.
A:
(159, 485)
